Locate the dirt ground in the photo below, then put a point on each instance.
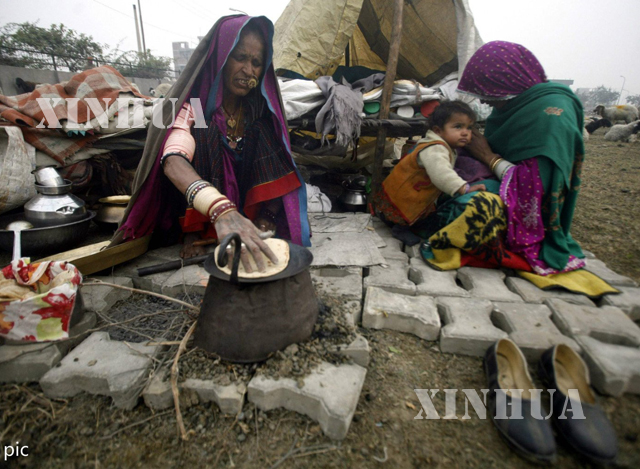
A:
(86, 431)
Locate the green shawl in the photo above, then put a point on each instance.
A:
(546, 121)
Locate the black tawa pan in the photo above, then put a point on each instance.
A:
(300, 258)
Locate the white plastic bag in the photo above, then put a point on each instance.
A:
(316, 200)
(17, 160)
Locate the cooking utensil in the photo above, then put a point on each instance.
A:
(47, 176)
(171, 265)
(53, 205)
(17, 227)
(354, 197)
(47, 239)
(111, 210)
(248, 320)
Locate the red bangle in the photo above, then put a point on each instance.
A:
(215, 202)
(221, 210)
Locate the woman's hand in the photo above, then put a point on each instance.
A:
(479, 148)
(188, 249)
(233, 222)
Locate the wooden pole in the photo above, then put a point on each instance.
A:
(144, 44)
(390, 76)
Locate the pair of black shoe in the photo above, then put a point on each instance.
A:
(576, 416)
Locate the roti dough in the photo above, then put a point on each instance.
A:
(279, 247)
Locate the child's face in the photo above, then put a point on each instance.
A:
(457, 130)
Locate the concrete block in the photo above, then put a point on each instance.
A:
(431, 282)
(532, 294)
(345, 283)
(467, 328)
(530, 327)
(600, 269)
(28, 362)
(329, 396)
(588, 254)
(102, 366)
(353, 309)
(190, 279)
(608, 323)
(381, 228)
(358, 350)
(413, 251)
(628, 301)
(157, 394)
(394, 251)
(487, 284)
(392, 277)
(613, 368)
(101, 298)
(415, 315)
(345, 249)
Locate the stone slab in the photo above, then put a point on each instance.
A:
(101, 298)
(467, 328)
(340, 282)
(392, 277)
(599, 268)
(608, 323)
(530, 327)
(329, 396)
(190, 279)
(532, 294)
(614, 369)
(431, 282)
(415, 315)
(345, 249)
(27, 363)
(157, 394)
(102, 366)
(628, 301)
(487, 284)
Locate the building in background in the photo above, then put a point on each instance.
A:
(181, 55)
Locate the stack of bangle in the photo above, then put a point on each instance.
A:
(172, 153)
(194, 188)
(222, 209)
(495, 162)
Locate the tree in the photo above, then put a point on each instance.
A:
(592, 97)
(30, 46)
(634, 99)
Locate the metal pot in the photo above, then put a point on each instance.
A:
(47, 176)
(111, 210)
(246, 320)
(354, 197)
(54, 206)
(45, 240)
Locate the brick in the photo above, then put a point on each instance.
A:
(613, 368)
(431, 282)
(358, 350)
(530, 327)
(344, 282)
(532, 294)
(190, 279)
(608, 323)
(487, 284)
(467, 328)
(102, 366)
(628, 301)
(329, 396)
(600, 269)
(415, 315)
(394, 278)
(101, 298)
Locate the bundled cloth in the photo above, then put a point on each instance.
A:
(341, 111)
(37, 300)
(317, 201)
(104, 83)
(405, 92)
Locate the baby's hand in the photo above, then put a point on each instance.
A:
(477, 187)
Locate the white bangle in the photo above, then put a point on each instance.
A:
(501, 168)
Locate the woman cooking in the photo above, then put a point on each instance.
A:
(233, 173)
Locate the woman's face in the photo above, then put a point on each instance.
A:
(246, 61)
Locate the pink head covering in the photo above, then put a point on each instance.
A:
(501, 70)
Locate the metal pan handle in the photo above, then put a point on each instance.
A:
(223, 258)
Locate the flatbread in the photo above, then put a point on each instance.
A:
(279, 247)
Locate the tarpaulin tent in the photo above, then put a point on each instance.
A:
(438, 37)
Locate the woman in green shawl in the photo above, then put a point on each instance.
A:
(533, 144)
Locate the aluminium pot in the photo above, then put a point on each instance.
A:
(245, 322)
(54, 205)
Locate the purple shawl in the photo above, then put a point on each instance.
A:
(501, 70)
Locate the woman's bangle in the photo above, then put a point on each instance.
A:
(193, 190)
(221, 209)
(495, 162)
(164, 157)
(215, 202)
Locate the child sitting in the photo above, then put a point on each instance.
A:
(410, 192)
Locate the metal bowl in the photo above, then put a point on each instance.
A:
(47, 239)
